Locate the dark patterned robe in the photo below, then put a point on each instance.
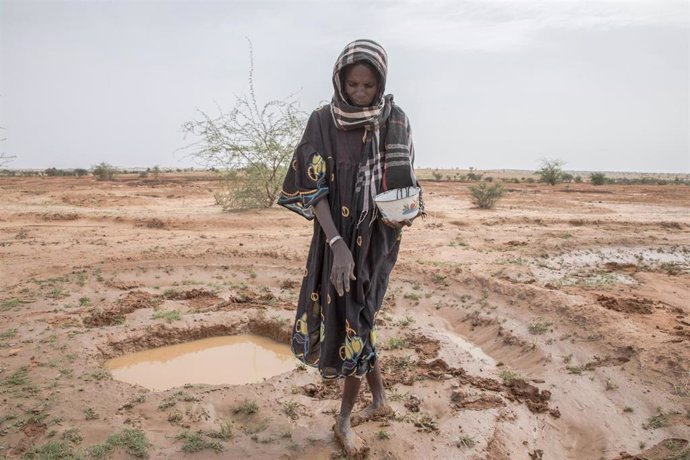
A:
(331, 332)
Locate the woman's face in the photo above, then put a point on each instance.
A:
(361, 85)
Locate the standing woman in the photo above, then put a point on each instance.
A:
(352, 149)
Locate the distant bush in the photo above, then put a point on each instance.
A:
(578, 179)
(489, 179)
(597, 178)
(551, 171)
(81, 172)
(485, 196)
(437, 175)
(567, 177)
(104, 171)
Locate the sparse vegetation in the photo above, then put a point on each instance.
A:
(133, 441)
(253, 144)
(539, 326)
(168, 315)
(465, 442)
(396, 343)
(485, 196)
(508, 376)
(597, 178)
(104, 171)
(551, 171)
(196, 442)
(247, 407)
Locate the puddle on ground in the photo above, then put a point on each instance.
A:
(234, 360)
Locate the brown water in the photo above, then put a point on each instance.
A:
(235, 360)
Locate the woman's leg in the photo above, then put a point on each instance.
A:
(379, 406)
(353, 445)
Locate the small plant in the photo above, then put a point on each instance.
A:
(225, 432)
(247, 407)
(84, 302)
(485, 196)
(577, 370)
(133, 441)
(90, 414)
(6, 305)
(465, 441)
(509, 376)
(659, 420)
(539, 326)
(72, 436)
(51, 450)
(291, 409)
(383, 434)
(168, 315)
(405, 321)
(195, 442)
(628, 409)
(8, 334)
(396, 343)
(425, 422)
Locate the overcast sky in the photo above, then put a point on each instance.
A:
(602, 85)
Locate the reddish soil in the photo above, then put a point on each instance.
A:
(556, 326)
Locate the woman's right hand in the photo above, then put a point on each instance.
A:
(343, 270)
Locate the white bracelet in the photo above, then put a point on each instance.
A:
(334, 239)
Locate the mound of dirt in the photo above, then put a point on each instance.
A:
(461, 400)
(536, 400)
(626, 304)
(668, 449)
(425, 347)
(135, 300)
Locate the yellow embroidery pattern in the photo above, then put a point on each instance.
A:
(345, 211)
(315, 296)
(294, 164)
(301, 325)
(332, 177)
(328, 299)
(359, 240)
(353, 345)
(317, 167)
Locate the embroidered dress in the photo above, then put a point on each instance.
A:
(337, 333)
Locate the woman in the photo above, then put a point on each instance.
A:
(352, 149)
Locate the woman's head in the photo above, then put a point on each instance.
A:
(359, 75)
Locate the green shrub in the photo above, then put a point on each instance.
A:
(485, 196)
(597, 178)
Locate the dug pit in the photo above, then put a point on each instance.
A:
(225, 360)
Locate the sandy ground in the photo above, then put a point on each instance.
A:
(555, 326)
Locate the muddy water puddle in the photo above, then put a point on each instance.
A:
(233, 360)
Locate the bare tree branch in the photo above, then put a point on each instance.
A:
(257, 141)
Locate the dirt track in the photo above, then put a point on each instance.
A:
(553, 327)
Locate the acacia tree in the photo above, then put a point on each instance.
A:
(551, 171)
(4, 159)
(252, 143)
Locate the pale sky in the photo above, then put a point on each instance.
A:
(602, 85)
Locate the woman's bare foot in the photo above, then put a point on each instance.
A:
(354, 446)
(371, 412)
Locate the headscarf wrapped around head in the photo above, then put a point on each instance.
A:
(346, 115)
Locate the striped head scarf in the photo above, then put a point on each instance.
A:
(381, 170)
(347, 116)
